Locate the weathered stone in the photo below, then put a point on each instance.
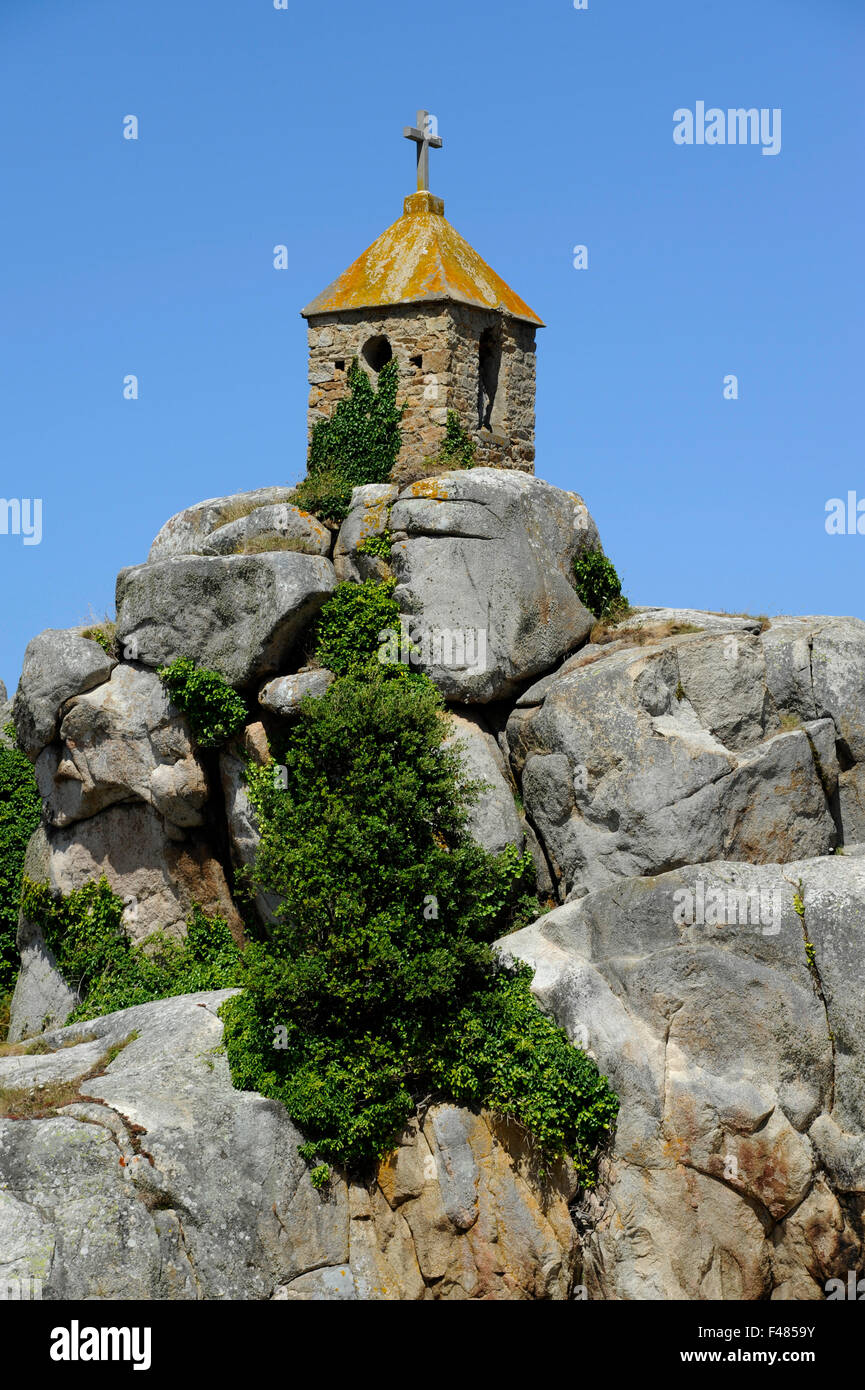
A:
(187, 531)
(123, 741)
(278, 522)
(493, 819)
(725, 1011)
(484, 564)
(160, 879)
(57, 665)
(239, 614)
(643, 758)
(285, 694)
(208, 1198)
(367, 518)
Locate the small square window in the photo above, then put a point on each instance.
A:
(340, 364)
(417, 362)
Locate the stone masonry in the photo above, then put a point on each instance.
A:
(438, 349)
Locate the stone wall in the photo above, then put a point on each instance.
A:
(437, 348)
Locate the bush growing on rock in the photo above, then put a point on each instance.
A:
(598, 585)
(349, 626)
(85, 932)
(378, 985)
(359, 443)
(19, 818)
(213, 709)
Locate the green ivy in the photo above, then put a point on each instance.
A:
(379, 985)
(457, 448)
(349, 627)
(215, 711)
(376, 545)
(598, 585)
(359, 444)
(20, 809)
(84, 930)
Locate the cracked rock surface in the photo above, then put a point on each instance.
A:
(735, 1043)
(159, 1180)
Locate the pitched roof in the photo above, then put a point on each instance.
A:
(421, 257)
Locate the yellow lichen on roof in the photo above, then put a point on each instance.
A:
(421, 257)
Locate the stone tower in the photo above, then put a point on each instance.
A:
(463, 339)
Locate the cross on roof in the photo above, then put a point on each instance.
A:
(425, 136)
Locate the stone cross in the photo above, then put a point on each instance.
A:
(425, 137)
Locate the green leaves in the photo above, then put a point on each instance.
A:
(598, 585)
(359, 444)
(84, 930)
(19, 817)
(379, 980)
(457, 448)
(213, 709)
(350, 624)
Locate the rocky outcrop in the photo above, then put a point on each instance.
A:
(691, 788)
(638, 758)
(57, 665)
(149, 1176)
(723, 1002)
(484, 566)
(239, 614)
(124, 741)
(367, 518)
(188, 532)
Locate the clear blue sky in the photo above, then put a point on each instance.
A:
(261, 126)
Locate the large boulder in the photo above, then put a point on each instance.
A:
(158, 1180)
(723, 1002)
(57, 665)
(188, 531)
(159, 877)
(367, 519)
(484, 562)
(284, 695)
(275, 527)
(493, 818)
(243, 829)
(639, 758)
(123, 741)
(238, 614)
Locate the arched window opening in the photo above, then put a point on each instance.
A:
(376, 352)
(489, 365)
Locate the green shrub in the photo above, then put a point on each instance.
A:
(457, 448)
(84, 930)
(380, 966)
(376, 545)
(350, 623)
(359, 443)
(598, 585)
(213, 709)
(104, 635)
(326, 494)
(20, 809)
